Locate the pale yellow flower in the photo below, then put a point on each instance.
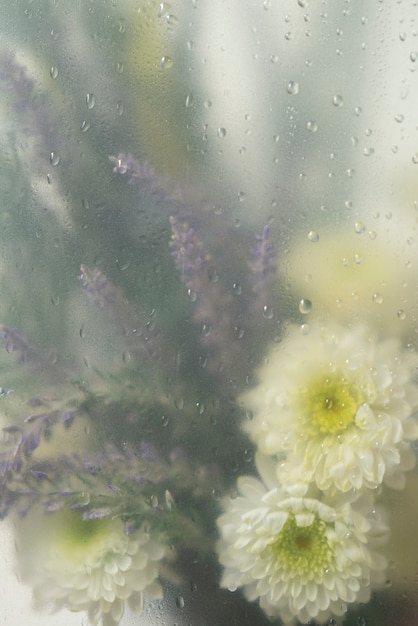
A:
(337, 405)
(357, 272)
(302, 558)
(91, 566)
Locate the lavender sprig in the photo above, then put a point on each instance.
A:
(215, 310)
(17, 343)
(263, 268)
(140, 335)
(160, 189)
(27, 437)
(37, 119)
(14, 341)
(130, 484)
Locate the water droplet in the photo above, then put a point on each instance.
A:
(372, 234)
(274, 58)
(55, 300)
(120, 67)
(165, 420)
(221, 132)
(313, 236)
(239, 332)
(83, 332)
(415, 158)
(126, 357)
(237, 289)
(179, 403)
(90, 100)
(358, 110)
(53, 72)
(377, 297)
(312, 126)
(351, 172)
(189, 100)
(401, 314)
(213, 275)
(413, 56)
(171, 20)
(54, 159)
(368, 151)
(206, 330)
(359, 227)
(292, 88)
(337, 100)
(122, 25)
(166, 62)
(192, 295)
(305, 306)
(288, 36)
(399, 118)
(193, 587)
(268, 312)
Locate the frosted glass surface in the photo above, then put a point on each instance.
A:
(208, 312)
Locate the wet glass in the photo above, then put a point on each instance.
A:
(208, 279)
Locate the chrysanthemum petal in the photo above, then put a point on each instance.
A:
(304, 559)
(339, 405)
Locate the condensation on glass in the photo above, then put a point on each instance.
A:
(208, 279)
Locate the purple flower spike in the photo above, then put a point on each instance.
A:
(132, 324)
(263, 265)
(142, 174)
(16, 342)
(215, 310)
(97, 514)
(263, 269)
(39, 475)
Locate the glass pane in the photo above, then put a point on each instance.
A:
(208, 279)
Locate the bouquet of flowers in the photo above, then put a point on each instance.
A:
(206, 389)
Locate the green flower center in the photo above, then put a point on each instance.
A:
(302, 550)
(329, 404)
(76, 537)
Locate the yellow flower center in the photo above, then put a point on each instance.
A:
(76, 539)
(302, 550)
(329, 404)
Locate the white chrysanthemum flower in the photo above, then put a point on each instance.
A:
(91, 566)
(302, 558)
(338, 404)
(358, 272)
